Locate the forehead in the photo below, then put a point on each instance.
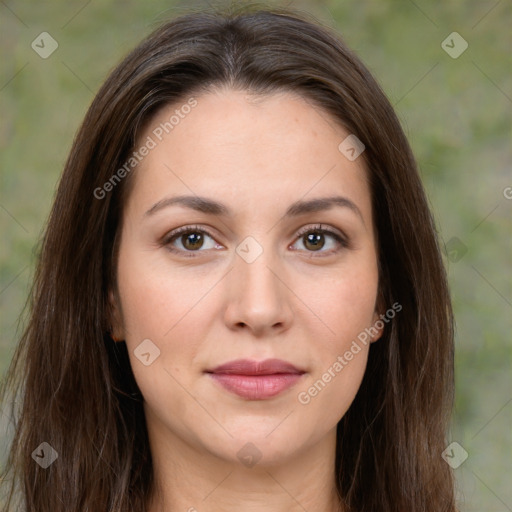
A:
(252, 150)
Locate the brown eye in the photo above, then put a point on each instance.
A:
(314, 241)
(192, 241)
(187, 240)
(316, 238)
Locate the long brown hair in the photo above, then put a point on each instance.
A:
(75, 386)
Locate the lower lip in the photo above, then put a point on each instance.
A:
(256, 387)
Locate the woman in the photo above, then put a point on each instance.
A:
(240, 302)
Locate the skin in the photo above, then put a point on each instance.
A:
(257, 155)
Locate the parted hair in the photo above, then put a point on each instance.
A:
(70, 385)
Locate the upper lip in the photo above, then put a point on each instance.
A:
(250, 367)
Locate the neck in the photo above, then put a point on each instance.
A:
(187, 480)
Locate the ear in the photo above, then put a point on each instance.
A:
(378, 324)
(377, 327)
(114, 317)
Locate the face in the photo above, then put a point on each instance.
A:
(250, 266)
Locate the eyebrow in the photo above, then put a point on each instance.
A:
(212, 207)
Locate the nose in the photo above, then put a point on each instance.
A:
(258, 296)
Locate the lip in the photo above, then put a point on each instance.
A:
(256, 380)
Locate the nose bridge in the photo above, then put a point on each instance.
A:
(254, 271)
(258, 297)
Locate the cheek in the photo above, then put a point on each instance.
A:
(347, 302)
(156, 298)
(164, 307)
(338, 369)
(340, 352)
(155, 310)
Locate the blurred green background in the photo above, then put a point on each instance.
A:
(455, 111)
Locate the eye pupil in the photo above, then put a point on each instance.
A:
(195, 239)
(316, 240)
(192, 241)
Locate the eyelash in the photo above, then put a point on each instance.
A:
(170, 237)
